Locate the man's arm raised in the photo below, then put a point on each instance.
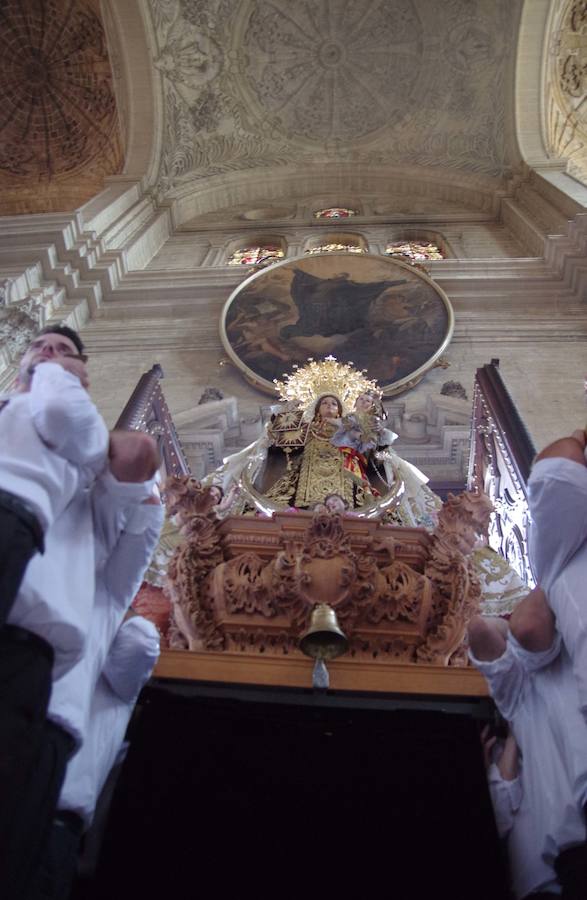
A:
(125, 483)
(557, 492)
(532, 622)
(571, 447)
(64, 415)
(487, 637)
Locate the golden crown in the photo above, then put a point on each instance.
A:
(327, 376)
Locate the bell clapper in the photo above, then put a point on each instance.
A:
(320, 676)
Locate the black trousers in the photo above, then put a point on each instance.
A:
(33, 757)
(60, 857)
(571, 871)
(541, 895)
(20, 538)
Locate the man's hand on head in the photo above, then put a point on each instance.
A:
(73, 364)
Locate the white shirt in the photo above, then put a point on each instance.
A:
(557, 495)
(133, 654)
(557, 491)
(125, 535)
(536, 693)
(506, 796)
(514, 819)
(47, 435)
(57, 592)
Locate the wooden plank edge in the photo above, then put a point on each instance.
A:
(345, 674)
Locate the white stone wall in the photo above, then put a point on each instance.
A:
(143, 290)
(191, 250)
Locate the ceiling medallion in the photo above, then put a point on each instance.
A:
(332, 70)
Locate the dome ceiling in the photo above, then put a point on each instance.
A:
(59, 132)
(269, 83)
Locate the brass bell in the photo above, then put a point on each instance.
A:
(324, 639)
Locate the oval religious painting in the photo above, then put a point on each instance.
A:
(379, 314)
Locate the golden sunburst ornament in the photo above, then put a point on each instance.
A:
(327, 376)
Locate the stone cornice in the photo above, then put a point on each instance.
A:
(303, 221)
(333, 179)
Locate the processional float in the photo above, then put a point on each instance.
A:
(393, 581)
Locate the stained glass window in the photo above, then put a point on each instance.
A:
(332, 248)
(416, 250)
(249, 256)
(335, 212)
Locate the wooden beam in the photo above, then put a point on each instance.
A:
(345, 674)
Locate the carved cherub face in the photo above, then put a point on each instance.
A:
(335, 504)
(185, 498)
(216, 493)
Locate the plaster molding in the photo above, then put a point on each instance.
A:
(129, 31)
(551, 91)
(529, 79)
(476, 192)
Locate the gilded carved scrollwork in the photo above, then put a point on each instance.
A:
(246, 585)
(250, 584)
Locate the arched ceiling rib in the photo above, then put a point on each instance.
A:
(341, 182)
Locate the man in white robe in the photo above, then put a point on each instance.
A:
(535, 690)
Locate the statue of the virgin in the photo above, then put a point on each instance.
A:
(328, 438)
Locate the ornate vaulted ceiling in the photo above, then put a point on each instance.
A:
(59, 133)
(268, 84)
(566, 87)
(254, 89)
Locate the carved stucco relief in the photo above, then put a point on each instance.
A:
(20, 320)
(279, 82)
(566, 88)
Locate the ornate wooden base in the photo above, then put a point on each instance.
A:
(247, 586)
